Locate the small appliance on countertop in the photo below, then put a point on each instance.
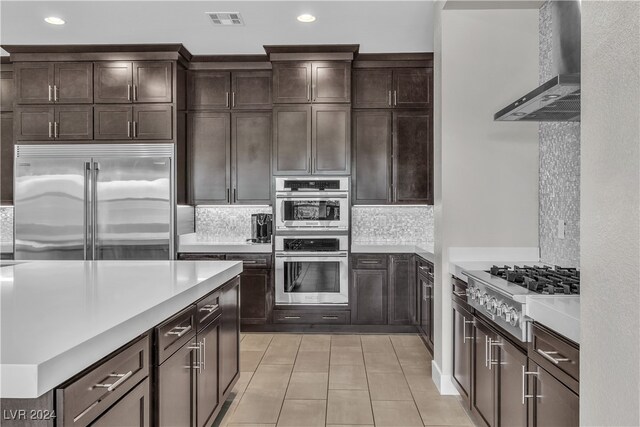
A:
(261, 228)
(500, 293)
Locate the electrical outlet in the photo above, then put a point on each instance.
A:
(561, 227)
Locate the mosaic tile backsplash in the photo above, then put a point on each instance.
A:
(6, 223)
(410, 225)
(559, 171)
(226, 224)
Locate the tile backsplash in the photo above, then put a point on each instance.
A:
(226, 224)
(559, 184)
(409, 225)
(6, 223)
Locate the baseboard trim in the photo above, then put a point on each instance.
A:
(443, 382)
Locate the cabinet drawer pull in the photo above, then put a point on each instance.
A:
(291, 317)
(547, 355)
(524, 385)
(209, 308)
(330, 317)
(370, 261)
(462, 294)
(251, 261)
(180, 332)
(121, 378)
(430, 275)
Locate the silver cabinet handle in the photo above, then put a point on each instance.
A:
(389, 98)
(196, 346)
(128, 92)
(209, 308)
(423, 268)
(181, 330)
(524, 385)
(55, 92)
(204, 354)
(49, 93)
(228, 201)
(128, 129)
(226, 102)
(308, 92)
(547, 355)
(395, 98)
(56, 134)
(291, 317)
(235, 195)
(464, 330)
(430, 275)
(135, 92)
(50, 130)
(368, 261)
(492, 344)
(121, 378)
(233, 99)
(460, 294)
(330, 317)
(251, 261)
(135, 129)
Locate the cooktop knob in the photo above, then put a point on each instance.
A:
(513, 318)
(503, 310)
(492, 305)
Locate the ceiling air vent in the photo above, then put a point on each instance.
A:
(226, 18)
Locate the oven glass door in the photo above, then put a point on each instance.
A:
(312, 212)
(311, 279)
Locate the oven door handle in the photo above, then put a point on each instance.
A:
(314, 255)
(316, 195)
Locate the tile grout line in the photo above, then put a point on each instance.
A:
(366, 377)
(404, 374)
(293, 366)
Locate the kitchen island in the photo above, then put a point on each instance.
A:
(66, 321)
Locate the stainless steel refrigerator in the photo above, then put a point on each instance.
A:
(94, 202)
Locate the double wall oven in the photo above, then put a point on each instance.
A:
(312, 238)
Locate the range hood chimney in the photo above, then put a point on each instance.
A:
(557, 100)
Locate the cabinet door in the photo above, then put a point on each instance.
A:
(112, 122)
(74, 122)
(483, 393)
(372, 157)
(229, 336)
(7, 91)
(412, 87)
(73, 82)
(331, 139)
(555, 405)
(251, 90)
(207, 378)
(152, 81)
(402, 292)
(369, 293)
(176, 387)
(6, 158)
(34, 123)
(152, 121)
(425, 293)
(256, 294)
(34, 83)
(130, 411)
(208, 142)
(291, 82)
(113, 82)
(251, 157)
(412, 157)
(331, 82)
(292, 140)
(512, 408)
(462, 347)
(372, 88)
(208, 90)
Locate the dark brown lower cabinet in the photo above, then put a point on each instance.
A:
(208, 397)
(553, 404)
(402, 292)
(462, 350)
(369, 291)
(511, 405)
(176, 387)
(130, 411)
(256, 296)
(229, 335)
(424, 293)
(483, 383)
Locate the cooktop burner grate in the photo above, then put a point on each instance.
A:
(542, 280)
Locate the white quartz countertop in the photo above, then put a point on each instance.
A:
(371, 248)
(190, 243)
(561, 314)
(59, 317)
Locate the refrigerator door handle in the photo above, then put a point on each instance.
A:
(94, 202)
(87, 208)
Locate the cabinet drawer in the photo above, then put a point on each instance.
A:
(369, 261)
(459, 290)
(425, 269)
(87, 397)
(315, 317)
(554, 353)
(207, 309)
(252, 260)
(200, 257)
(175, 332)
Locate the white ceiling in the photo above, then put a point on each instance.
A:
(378, 26)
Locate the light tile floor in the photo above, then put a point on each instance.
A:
(301, 380)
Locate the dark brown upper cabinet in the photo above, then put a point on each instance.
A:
(126, 82)
(251, 157)
(7, 92)
(144, 122)
(60, 82)
(54, 123)
(372, 140)
(392, 88)
(331, 82)
(291, 82)
(292, 140)
(239, 90)
(372, 88)
(331, 139)
(306, 82)
(209, 165)
(412, 157)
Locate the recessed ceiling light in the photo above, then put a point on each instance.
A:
(54, 20)
(306, 18)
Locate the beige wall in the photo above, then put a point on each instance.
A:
(610, 222)
(486, 172)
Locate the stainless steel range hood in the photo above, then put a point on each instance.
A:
(557, 100)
